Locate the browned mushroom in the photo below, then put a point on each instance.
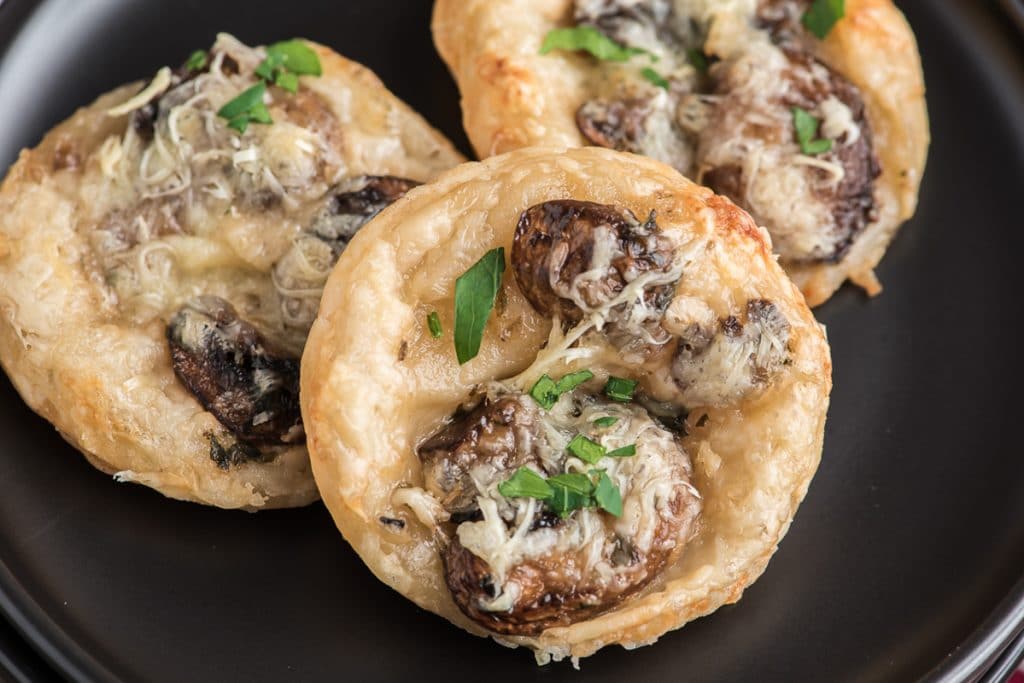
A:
(567, 567)
(234, 373)
(572, 257)
(354, 203)
(500, 434)
(816, 206)
(720, 362)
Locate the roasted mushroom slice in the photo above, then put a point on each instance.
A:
(814, 203)
(629, 22)
(642, 123)
(300, 274)
(574, 258)
(497, 435)
(720, 362)
(234, 372)
(520, 563)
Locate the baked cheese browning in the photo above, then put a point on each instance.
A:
(251, 388)
(719, 362)
(300, 275)
(572, 259)
(734, 128)
(518, 565)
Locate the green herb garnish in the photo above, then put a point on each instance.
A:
(585, 449)
(697, 59)
(572, 491)
(246, 108)
(619, 389)
(525, 483)
(624, 452)
(806, 132)
(546, 391)
(475, 291)
(565, 493)
(286, 61)
(197, 61)
(590, 40)
(434, 323)
(607, 494)
(654, 77)
(605, 421)
(822, 15)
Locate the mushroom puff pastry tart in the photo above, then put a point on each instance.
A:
(162, 254)
(810, 117)
(630, 429)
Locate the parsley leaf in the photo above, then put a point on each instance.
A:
(654, 77)
(434, 323)
(590, 40)
(197, 61)
(619, 389)
(246, 108)
(546, 391)
(525, 483)
(607, 421)
(475, 291)
(806, 129)
(572, 491)
(296, 57)
(585, 449)
(697, 59)
(822, 15)
(624, 452)
(607, 494)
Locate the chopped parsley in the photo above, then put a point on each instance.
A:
(434, 323)
(697, 59)
(619, 389)
(806, 133)
(246, 108)
(286, 61)
(525, 483)
(607, 494)
(654, 78)
(475, 291)
(197, 61)
(822, 15)
(624, 452)
(586, 450)
(588, 39)
(565, 493)
(546, 391)
(607, 421)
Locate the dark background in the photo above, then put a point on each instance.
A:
(912, 535)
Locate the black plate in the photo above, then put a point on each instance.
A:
(902, 563)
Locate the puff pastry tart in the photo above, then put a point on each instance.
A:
(162, 254)
(625, 440)
(810, 115)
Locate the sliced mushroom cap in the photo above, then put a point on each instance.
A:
(814, 206)
(354, 203)
(549, 570)
(235, 374)
(497, 435)
(639, 23)
(721, 362)
(572, 257)
(301, 273)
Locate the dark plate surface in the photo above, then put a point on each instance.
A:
(902, 563)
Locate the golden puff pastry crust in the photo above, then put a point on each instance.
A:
(376, 393)
(144, 218)
(512, 96)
